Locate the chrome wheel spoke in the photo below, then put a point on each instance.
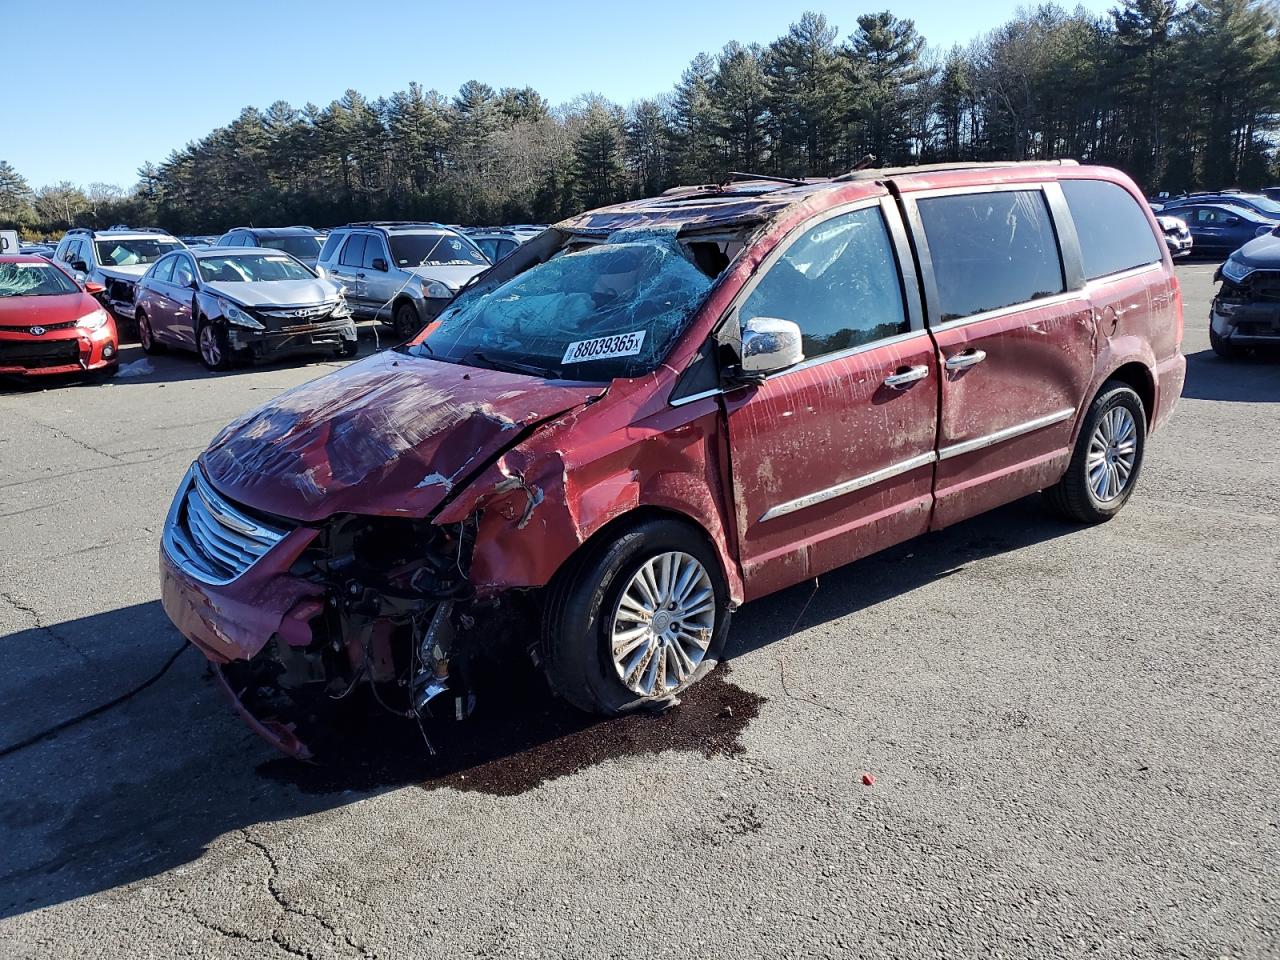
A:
(1113, 454)
(662, 624)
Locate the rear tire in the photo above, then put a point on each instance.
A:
(586, 619)
(212, 344)
(1107, 458)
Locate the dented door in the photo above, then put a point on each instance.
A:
(833, 459)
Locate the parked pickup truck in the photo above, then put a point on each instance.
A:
(655, 412)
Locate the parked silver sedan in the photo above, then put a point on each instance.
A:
(230, 304)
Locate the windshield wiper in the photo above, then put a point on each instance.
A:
(514, 366)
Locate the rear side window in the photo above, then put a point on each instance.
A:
(331, 245)
(839, 282)
(1114, 232)
(991, 250)
(353, 252)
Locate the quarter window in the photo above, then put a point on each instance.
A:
(839, 282)
(991, 250)
(164, 269)
(353, 252)
(1114, 232)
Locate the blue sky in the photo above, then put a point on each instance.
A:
(104, 93)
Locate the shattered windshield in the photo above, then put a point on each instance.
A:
(34, 280)
(611, 310)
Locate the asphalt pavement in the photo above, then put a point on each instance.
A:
(1016, 737)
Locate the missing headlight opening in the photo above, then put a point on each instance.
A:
(396, 628)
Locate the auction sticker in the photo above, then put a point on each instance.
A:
(602, 348)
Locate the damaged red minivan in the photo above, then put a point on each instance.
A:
(655, 412)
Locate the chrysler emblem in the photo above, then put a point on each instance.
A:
(37, 331)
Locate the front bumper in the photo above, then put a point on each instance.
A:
(1246, 324)
(1178, 246)
(58, 352)
(324, 337)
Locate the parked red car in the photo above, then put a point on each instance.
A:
(50, 324)
(655, 412)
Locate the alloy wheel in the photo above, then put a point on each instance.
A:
(662, 624)
(1113, 451)
(210, 349)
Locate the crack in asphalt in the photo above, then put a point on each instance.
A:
(273, 887)
(38, 622)
(82, 444)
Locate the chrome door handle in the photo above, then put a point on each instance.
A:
(963, 361)
(906, 376)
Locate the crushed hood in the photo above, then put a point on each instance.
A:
(276, 293)
(391, 435)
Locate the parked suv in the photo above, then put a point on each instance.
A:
(301, 243)
(115, 259)
(655, 412)
(241, 303)
(400, 272)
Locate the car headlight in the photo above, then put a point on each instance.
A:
(436, 290)
(1236, 271)
(237, 316)
(92, 321)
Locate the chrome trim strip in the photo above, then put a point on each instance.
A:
(1008, 433)
(848, 486)
(1053, 301)
(714, 392)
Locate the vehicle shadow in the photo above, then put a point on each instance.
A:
(148, 784)
(1252, 378)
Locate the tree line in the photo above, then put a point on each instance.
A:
(1180, 95)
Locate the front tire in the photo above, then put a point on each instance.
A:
(1107, 458)
(146, 336)
(405, 320)
(636, 620)
(215, 350)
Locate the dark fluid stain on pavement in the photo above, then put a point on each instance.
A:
(518, 738)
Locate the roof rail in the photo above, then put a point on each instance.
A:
(738, 175)
(878, 173)
(395, 223)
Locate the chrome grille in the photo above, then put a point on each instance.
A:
(211, 538)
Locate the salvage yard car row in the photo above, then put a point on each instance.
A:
(252, 294)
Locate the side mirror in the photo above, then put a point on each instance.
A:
(769, 344)
(1232, 221)
(80, 266)
(93, 289)
(380, 264)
